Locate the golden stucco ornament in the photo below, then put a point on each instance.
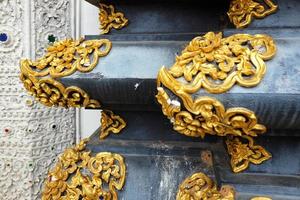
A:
(241, 12)
(110, 123)
(110, 19)
(209, 116)
(62, 59)
(79, 175)
(243, 151)
(201, 187)
(214, 64)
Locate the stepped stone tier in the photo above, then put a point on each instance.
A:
(194, 100)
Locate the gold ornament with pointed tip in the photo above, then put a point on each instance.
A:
(241, 12)
(110, 19)
(110, 123)
(243, 151)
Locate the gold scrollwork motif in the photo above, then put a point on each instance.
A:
(50, 92)
(217, 64)
(78, 175)
(243, 152)
(208, 116)
(110, 123)
(62, 59)
(201, 187)
(241, 12)
(110, 19)
(65, 57)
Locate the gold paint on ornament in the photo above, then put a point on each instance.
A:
(110, 19)
(110, 123)
(241, 12)
(78, 175)
(243, 151)
(215, 64)
(201, 187)
(63, 59)
(209, 116)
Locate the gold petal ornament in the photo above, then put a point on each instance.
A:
(79, 175)
(243, 151)
(208, 116)
(110, 19)
(110, 123)
(215, 64)
(62, 59)
(201, 187)
(241, 12)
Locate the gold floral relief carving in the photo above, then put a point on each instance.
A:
(217, 64)
(241, 12)
(50, 92)
(63, 59)
(79, 175)
(210, 117)
(243, 151)
(201, 187)
(110, 19)
(110, 123)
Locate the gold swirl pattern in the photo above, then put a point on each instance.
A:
(243, 152)
(217, 64)
(63, 59)
(50, 92)
(110, 19)
(201, 187)
(241, 12)
(78, 175)
(110, 123)
(209, 117)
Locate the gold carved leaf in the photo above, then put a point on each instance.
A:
(110, 19)
(63, 58)
(243, 152)
(110, 123)
(201, 187)
(241, 12)
(208, 116)
(217, 64)
(79, 175)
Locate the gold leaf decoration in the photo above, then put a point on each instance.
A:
(63, 59)
(78, 175)
(110, 123)
(243, 152)
(110, 19)
(217, 64)
(241, 12)
(210, 117)
(201, 187)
